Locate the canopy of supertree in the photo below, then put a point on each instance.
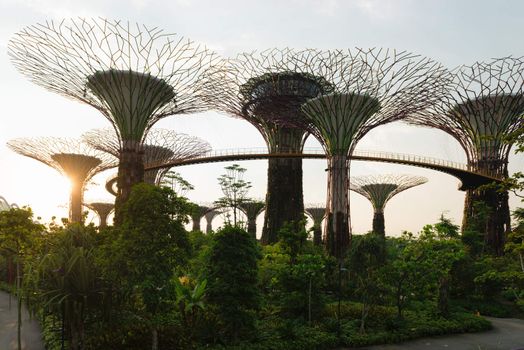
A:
(379, 189)
(133, 74)
(317, 213)
(267, 89)
(160, 146)
(72, 158)
(102, 209)
(252, 209)
(484, 107)
(370, 88)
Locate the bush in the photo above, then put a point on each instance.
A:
(232, 275)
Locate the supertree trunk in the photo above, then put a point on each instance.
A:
(317, 234)
(103, 220)
(130, 172)
(75, 201)
(284, 198)
(379, 226)
(337, 225)
(196, 221)
(252, 227)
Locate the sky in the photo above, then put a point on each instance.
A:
(449, 31)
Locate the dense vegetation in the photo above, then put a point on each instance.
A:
(149, 283)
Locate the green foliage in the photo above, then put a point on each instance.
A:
(232, 273)
(148, 248)
(177, 183)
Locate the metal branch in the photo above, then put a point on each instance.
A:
(160, 147)
(484, 106)
(72, 158)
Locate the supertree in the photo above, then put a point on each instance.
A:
(160, 146)
(370, 88)
(267, 89)
(317, 213)
(379, 189)
(210, 215)
(72, 158)
(485, 106)
(134, 75)
(102, 209)
(198, 212)
(252, 209)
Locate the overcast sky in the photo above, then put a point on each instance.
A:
(450, 31)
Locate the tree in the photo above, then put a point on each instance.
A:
(232, 275)
(151, 244)
(68, 279)
(177, 183)
(234, 188)
(18, 233)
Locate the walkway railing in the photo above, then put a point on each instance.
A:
(308, 152)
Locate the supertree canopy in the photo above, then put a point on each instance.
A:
(380, 189)
(72, 158)
(196, 215)
(370, 88)
(252, 209)
(102, 209)
(267, 89)
(133, 74)
(210, 215)
(160, 146)
(317, 213)
(484, 107)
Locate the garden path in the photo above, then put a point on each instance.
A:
(30, 328)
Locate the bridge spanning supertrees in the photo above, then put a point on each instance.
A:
(134, 75)
(252, 209)
(267, 89)
(317, 213)
(369, 88)
(70, 157)
(102, 209)
(379, 189)
(484, 107)
(160, 146)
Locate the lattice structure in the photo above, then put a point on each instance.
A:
(133, 74)
(485, 105)
(379, 189)
(160, 146)
(252, 209)
(102, 209)
(4, 204)
(72, 158)
(267, 89)
(370, 88)
(317, 213)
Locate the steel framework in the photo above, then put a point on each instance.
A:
(370, 88)
(267, 89)
(485, 106)
(134, 75)
(379, 189)
(161, 146)
(72, 158)
(102, 209)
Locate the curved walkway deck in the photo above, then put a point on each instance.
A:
(469, 178)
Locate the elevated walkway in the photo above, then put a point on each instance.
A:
(469, 178)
